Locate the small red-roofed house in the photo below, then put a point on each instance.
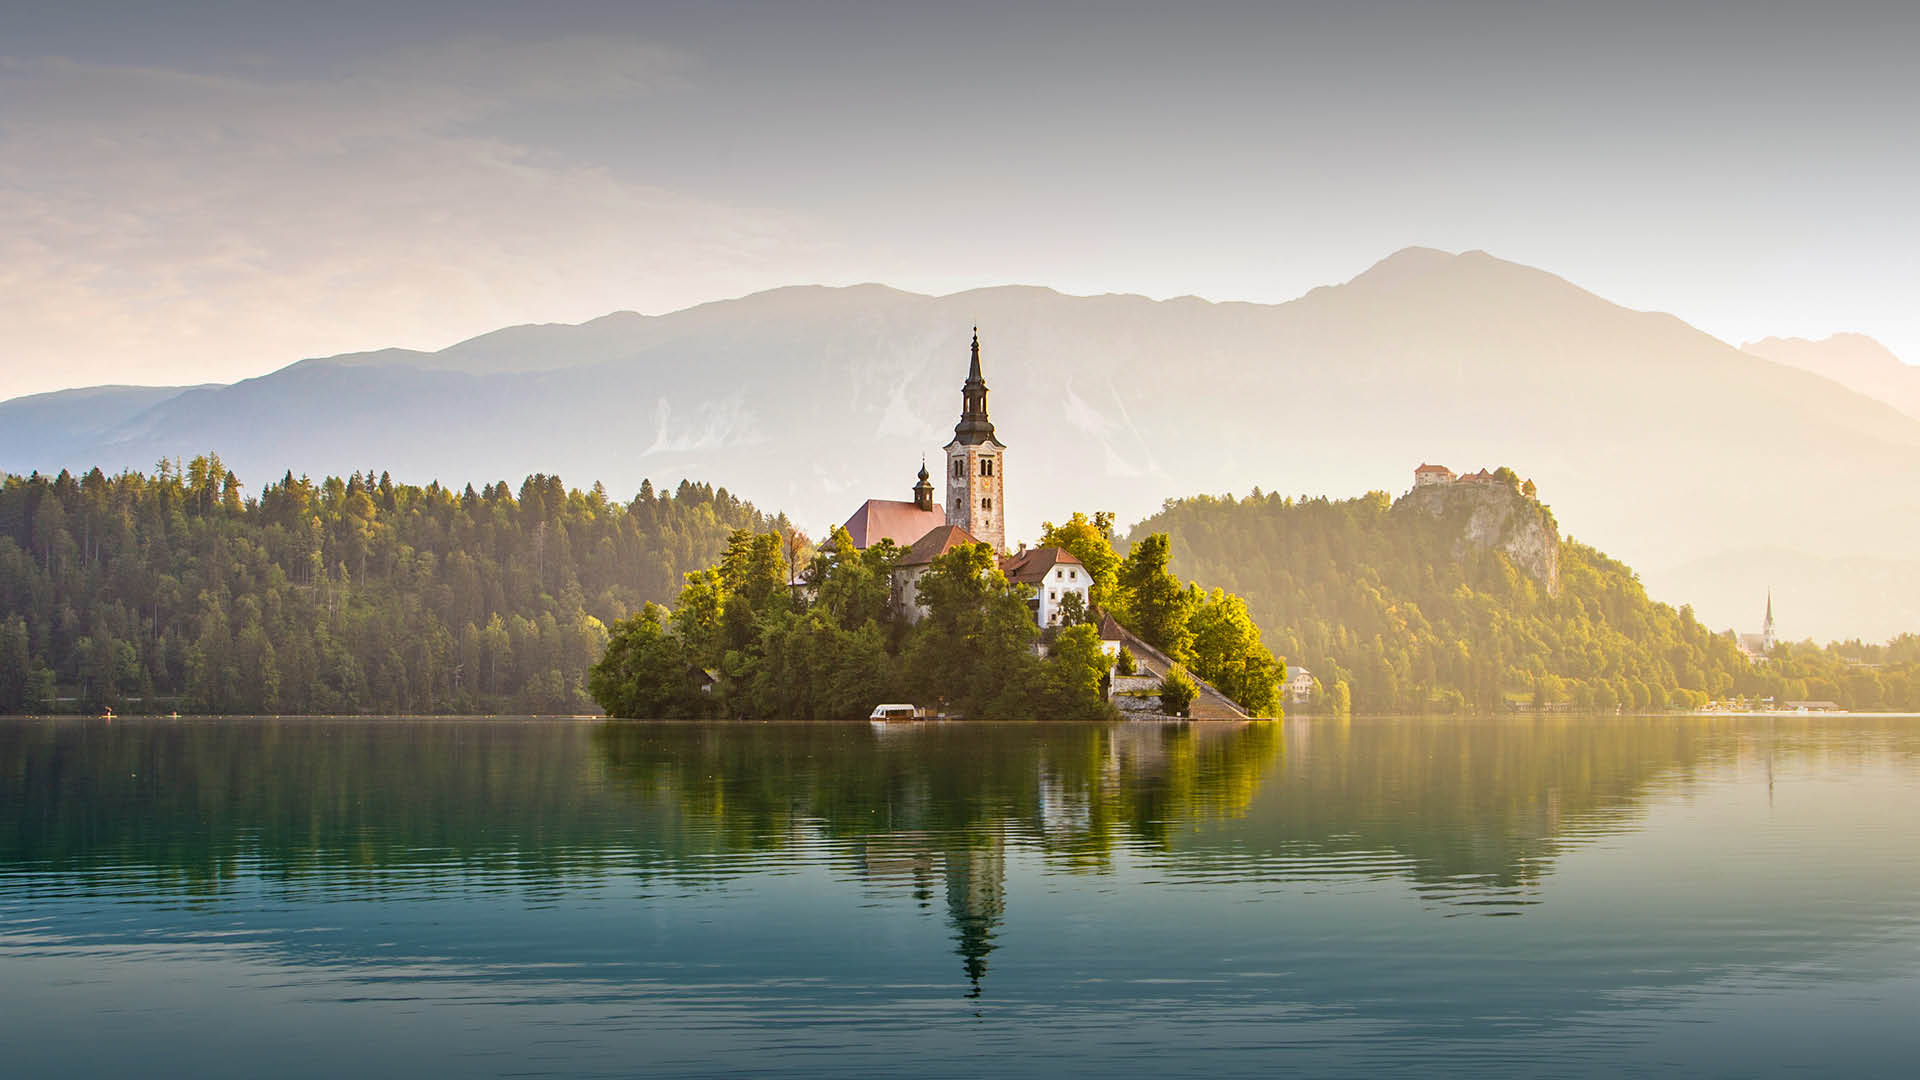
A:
(1428, 475)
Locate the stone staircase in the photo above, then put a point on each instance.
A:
(1208, 704)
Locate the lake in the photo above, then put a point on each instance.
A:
(1558, 896)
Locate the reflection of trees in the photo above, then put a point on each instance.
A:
(314, 797)
(1474, 805)
(1077, 790)
(1488, 798)
(326, 800)
(941, 800)
(1489, 802)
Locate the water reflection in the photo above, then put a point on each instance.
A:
(1481, 806)
(942, 799)
(1245, 879)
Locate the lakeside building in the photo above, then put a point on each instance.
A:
(1298, 687)
(973, 512)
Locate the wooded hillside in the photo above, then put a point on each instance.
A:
(181, 589)
(1391, 603)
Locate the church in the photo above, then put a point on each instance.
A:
(973, 511)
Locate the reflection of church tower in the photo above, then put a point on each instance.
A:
(976, 901)
(975, 464)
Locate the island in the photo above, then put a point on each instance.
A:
(920, 600)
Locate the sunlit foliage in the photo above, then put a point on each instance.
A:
(176, 590)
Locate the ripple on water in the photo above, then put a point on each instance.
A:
(1069, 900)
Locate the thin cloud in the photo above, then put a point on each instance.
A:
(184, 225)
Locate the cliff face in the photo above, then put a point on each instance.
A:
(1494, 516)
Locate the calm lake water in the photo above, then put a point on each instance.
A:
(1500, 896)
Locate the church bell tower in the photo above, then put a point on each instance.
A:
(976, 461)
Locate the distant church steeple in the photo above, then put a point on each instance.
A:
(1766, 628)
(976, 463)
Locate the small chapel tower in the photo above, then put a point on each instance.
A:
(976, 472)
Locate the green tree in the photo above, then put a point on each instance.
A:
(1228, 653)
(1340, 699)
(645, 673)
(1177, 692)
(15, 661)
(1156, 606)
(1089, 539)
(975, 644)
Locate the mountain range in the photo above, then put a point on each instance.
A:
(1855, 361)
(1721, 473)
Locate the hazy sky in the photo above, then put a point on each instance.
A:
(209, 191)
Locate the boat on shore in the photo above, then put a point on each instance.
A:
(902, 713)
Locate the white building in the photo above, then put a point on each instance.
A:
(1054, 575)
(1299, 687)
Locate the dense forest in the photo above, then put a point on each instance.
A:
(182, 590)
(1390, 612)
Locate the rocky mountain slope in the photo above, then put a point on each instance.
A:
(1494, 516)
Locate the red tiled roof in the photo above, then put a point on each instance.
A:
(1110, 629)
(1030, 567)
(901, 522)
(1433, 469)
(935, 544)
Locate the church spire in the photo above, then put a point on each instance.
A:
(923, 491)
(974, 426)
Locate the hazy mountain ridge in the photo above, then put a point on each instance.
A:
(54, 425)
(1855, 361)
(812, 398)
